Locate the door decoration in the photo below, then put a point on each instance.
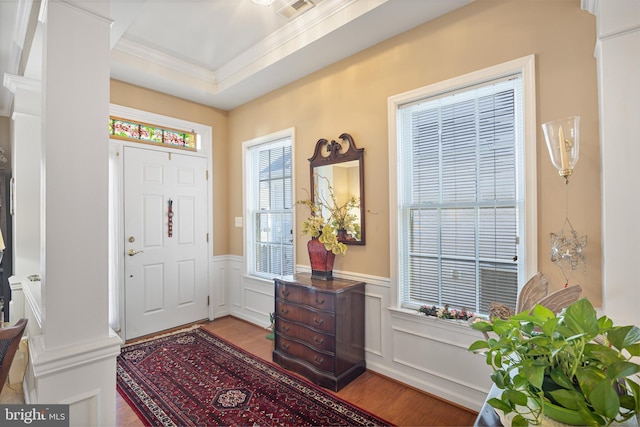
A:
(170, 219)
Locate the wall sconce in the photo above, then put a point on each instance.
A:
(563, 143)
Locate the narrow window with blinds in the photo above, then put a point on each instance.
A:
(460, 197)
(269, 178)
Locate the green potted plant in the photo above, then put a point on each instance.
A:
(573, 367)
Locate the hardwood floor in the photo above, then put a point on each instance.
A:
(390, 400)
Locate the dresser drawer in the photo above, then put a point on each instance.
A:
(316, 339)
(318, 320)
(306, 296)
(315, 358)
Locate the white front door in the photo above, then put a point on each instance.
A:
(166, 273)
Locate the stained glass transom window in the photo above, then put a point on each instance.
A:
(151, 134)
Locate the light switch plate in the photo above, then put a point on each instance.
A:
(238, 221)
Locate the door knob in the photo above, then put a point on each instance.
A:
(133, 252)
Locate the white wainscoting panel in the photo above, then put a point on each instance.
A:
(431, 354)
(257, 297)
(235, 281)
(83, 409)
(258, 301)
(373, 323)
(218, 287)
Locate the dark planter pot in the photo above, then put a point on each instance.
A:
(321, 260)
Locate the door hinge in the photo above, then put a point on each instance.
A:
(169, 156)
(208, 300)
(206, 174)
(207, 237)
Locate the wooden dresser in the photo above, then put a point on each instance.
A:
(319, 329)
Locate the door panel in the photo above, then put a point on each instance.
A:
(152, 220)
(153, 279)
(186, 282)
(185, 221)
(166, 277)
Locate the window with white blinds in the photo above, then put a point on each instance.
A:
(270, 208)
(461, 196)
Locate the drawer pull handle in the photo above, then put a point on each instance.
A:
(318, 322)
(318, 360)
(285, 293)
(285, 328)
(319, 302)
(284, 311)
(318, 340)
(285, 346)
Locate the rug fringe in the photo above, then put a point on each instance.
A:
(168, 334)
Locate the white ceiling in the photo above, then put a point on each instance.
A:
(224, 53)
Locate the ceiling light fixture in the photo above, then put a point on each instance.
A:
(263, 2)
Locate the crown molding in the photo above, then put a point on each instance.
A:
(14, 82)
(155, 56)
(15, 53)
(297, 34)
(85, 10)
(290, 38)
(19, 34)
(590, 6)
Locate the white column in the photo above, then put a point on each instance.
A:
(75, 151)
(618, 55)
(73, 361)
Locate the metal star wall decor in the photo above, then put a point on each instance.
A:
(567, 249)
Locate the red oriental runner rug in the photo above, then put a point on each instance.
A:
(195, 378)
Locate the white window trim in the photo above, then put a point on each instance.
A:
(525, 66)
(248, 236)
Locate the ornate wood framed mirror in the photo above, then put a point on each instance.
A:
(337, 170)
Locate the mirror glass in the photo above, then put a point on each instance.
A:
(337, 172)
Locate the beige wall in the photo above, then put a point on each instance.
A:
(148, 100)
(351, 96)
